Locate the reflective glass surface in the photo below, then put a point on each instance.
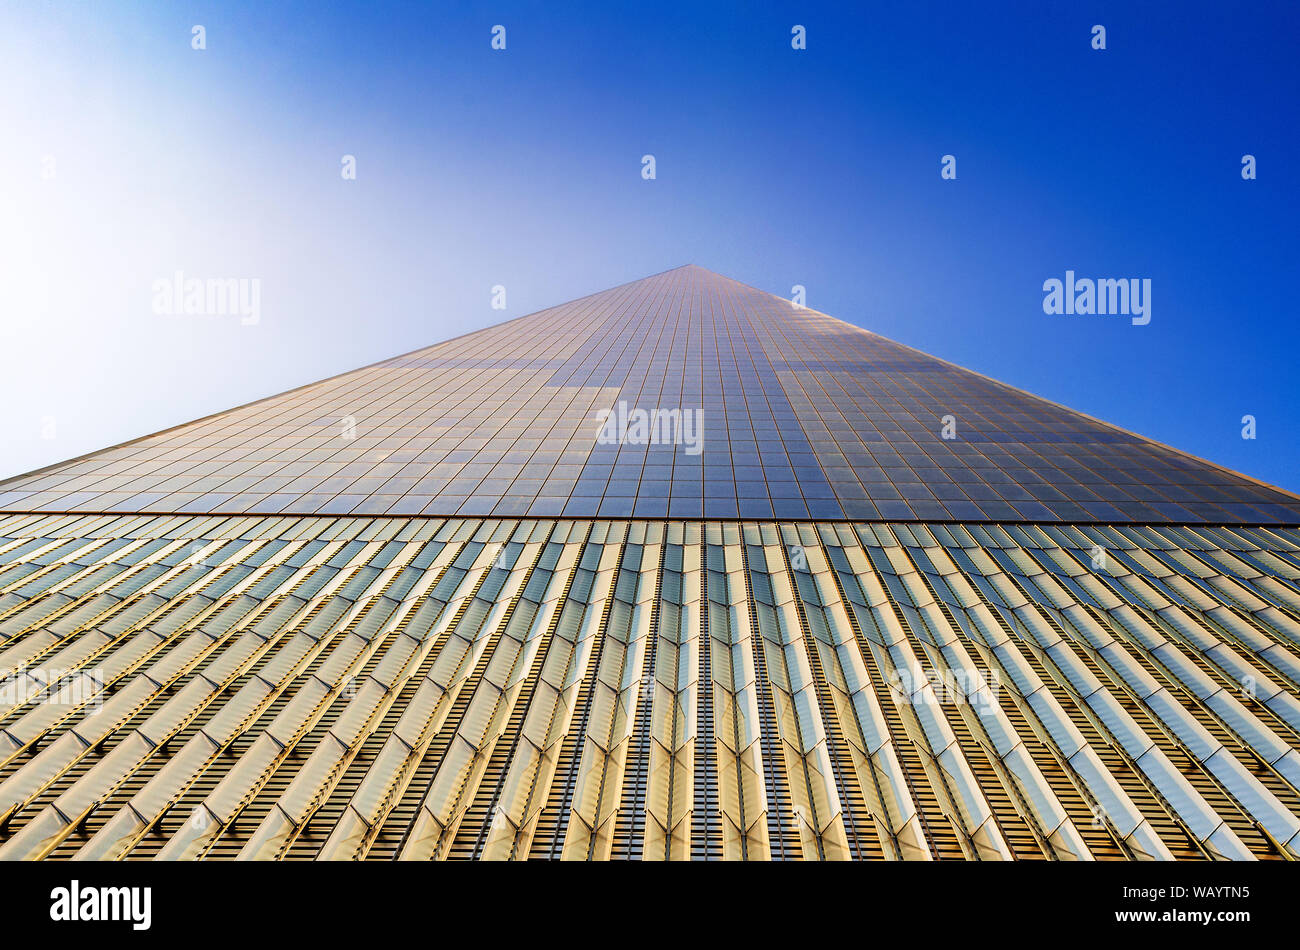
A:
(752, 408)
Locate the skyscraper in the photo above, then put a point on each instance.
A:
(677, 570)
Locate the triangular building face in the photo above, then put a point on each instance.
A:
(682, 395)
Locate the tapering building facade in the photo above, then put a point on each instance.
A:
(675, 571)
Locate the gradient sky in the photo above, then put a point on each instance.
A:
(522, 168)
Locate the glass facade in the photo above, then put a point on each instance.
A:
(799, 415)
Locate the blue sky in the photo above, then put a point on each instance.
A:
(522, 168)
